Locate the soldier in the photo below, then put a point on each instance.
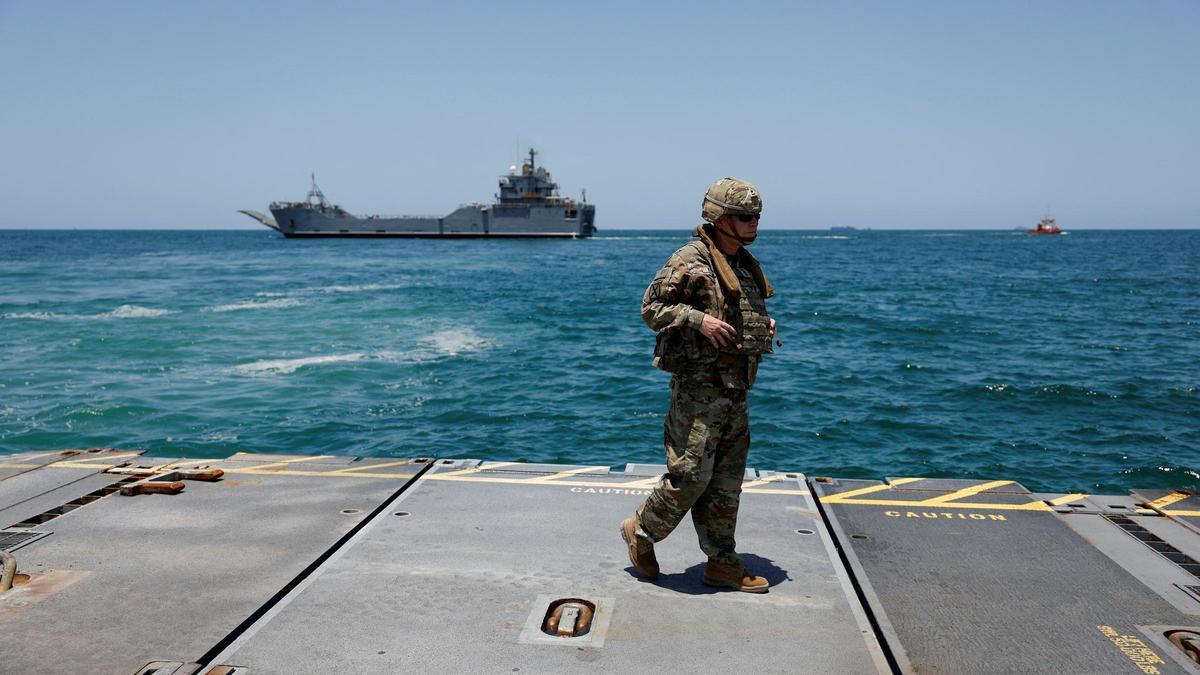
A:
(708, 307)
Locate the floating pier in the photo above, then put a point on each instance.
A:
(292, 564)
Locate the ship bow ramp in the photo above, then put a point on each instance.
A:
(262, 218)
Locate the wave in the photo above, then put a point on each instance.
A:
(36, 316)
(442, 344)
(455, 342)
(264, 304)
(283, 366)
(131, 312)
(336, 288)
(122, 312)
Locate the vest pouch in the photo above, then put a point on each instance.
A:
(700, 352)
(669, 352)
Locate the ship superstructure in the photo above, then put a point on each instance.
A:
(528, 205)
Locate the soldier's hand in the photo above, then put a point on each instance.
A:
(772, 328)
(717, 331)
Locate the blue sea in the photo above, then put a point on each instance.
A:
(1068, 363)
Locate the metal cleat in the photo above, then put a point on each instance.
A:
(171, 482)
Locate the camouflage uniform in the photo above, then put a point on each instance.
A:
(707, 433)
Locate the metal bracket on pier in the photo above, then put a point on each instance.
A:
(170, 482)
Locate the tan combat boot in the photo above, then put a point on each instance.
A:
(729, 576)
(641, 554)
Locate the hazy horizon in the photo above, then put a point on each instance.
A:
(926, 115)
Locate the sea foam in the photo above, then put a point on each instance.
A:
(336, 288)
(263, 304)
(122, 312)
(282, 366)
(458, 341)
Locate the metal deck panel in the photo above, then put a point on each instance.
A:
(451, 586)
(1176, 534)
(990, 583)
(1157, 572)
(1181, 506)
(168, 577)
(48, 489)
(20, 489)
(24, 462)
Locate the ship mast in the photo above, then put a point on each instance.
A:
(315, 193)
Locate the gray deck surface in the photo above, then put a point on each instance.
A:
(971, 585)
(298, 563)
(28, 462)
(165, 577)
(449, 587)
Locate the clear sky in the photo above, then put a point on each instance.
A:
(874, 114)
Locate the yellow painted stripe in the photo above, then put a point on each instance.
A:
(1067, 499)
(20, 466)
(286, 462)
(845, 496)
(967, 492)
(1026, 506)
(368, 467)
(463, 472)
(1168, 500)
(774, 491)
(764, 481)
(43, 454)
(91, 463)
(563, 483)
(1184, 514)
(567, 473)
(316, 474)
(639, 483)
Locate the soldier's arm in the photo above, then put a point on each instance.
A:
(666, 302)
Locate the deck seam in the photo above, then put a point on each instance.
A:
(225, 646)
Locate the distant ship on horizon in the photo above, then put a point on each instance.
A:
(1046, 226)
(528, 205)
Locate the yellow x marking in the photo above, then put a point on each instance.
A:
(1067, 499)
(567, 473)
(943, 501)
(967, 492)
(1168, 500)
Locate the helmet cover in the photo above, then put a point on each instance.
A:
(730, 196)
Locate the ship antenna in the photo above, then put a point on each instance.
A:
(532, 152)
(315, 192)
(584, 191)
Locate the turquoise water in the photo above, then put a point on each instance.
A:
(1067, 363)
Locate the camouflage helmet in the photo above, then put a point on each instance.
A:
(730, 195)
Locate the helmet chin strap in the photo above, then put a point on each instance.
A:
(744, 241)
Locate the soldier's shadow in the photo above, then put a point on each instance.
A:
(691, 580)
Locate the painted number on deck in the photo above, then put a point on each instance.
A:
(1142, 656)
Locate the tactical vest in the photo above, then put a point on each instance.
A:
(749, 318)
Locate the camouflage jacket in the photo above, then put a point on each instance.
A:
(674, 305)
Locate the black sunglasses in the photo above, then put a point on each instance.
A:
(747, 217)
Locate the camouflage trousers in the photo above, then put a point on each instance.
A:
(707, 438)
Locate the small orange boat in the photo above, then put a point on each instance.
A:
(1047, 226)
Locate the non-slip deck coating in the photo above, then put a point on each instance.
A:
(295, 563)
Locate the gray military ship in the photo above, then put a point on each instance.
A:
(528, 206)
